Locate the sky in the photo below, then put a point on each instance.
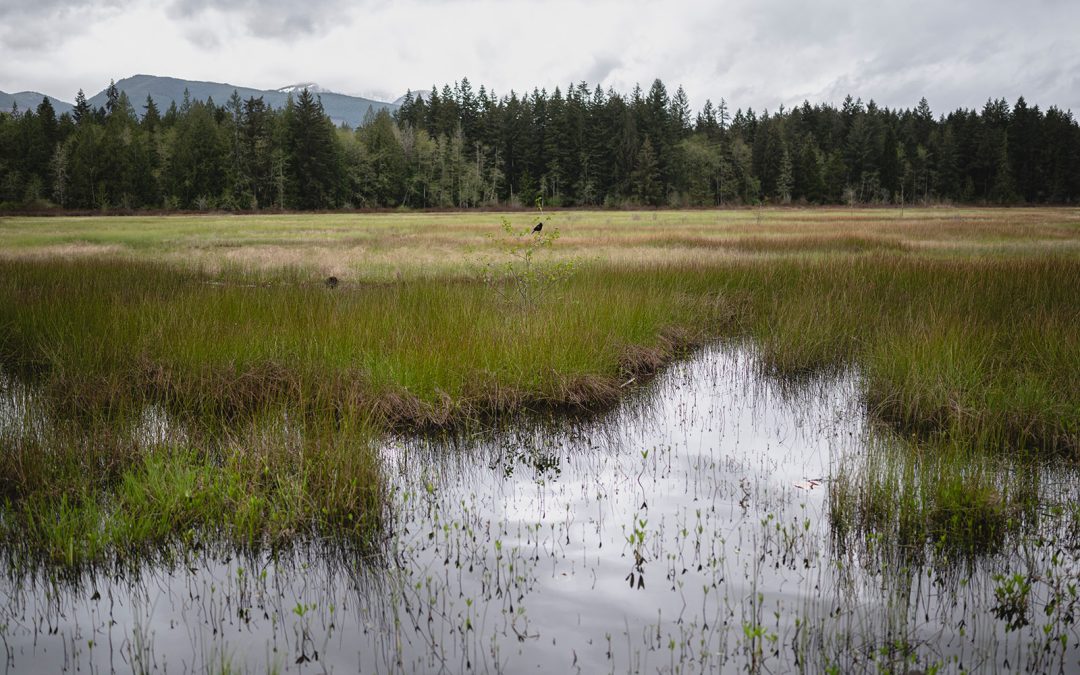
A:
(760, 54)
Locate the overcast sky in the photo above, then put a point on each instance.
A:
(762, 53)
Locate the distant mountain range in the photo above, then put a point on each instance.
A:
(341, 108)
(30, 100)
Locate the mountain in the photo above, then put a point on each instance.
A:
(341, 108)
(312, 87)
(165, 90)
(422, 94)
(30, 100)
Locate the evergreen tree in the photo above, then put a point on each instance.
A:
(454, 147)
(311, 155)
(646, 176)
(151, 117)
(680, 113)
(384, 160)
(112, 98)
(257, 124)
(197, 159)
(785, 182)
(82, 112)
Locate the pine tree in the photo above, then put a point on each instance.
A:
(454, 147)
(385, 158)
(48, 137)
(82, 111)
(680, 114)
(112, 98)
(646, 176)
(151, 117)
(1003, 191)
(59, 170)
(784, 180)
(198, 159)
(311, 155)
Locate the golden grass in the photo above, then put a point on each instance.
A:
(394, 245)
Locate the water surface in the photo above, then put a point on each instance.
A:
(685, 531)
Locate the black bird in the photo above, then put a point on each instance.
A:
(331, 282)
(538, 227)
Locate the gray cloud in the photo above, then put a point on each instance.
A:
(27, 8)
(956, 53)
(203, 38)
(601, 68)
(34, 25)
(280, 19)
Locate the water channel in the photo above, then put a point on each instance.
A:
(688, 530)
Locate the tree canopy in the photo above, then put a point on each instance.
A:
(579, 146)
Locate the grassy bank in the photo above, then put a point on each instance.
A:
(102, 487)
(276, 385)
(294, 363)
(980, 351)
(114, 336)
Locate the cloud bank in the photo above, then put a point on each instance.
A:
(764, 54)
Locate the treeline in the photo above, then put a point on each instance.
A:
(582, 147)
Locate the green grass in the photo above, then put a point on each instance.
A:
(80, 496)
(982, 349)
(116, 335)
(970, 352)
(902, 504)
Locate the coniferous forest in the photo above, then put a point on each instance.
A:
(460, 148)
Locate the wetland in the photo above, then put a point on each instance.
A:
(781, 440)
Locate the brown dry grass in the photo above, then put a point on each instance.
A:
(382, 246)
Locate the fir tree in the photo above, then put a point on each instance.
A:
(82, 111)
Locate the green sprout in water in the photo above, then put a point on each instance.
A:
(1011, 594)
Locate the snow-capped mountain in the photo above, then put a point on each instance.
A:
(312, 87)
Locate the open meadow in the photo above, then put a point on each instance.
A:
(645, 441)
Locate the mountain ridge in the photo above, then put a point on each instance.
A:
(30, 100)
(165, 90)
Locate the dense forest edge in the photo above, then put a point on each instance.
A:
(457, 148)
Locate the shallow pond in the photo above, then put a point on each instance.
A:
(686, 531)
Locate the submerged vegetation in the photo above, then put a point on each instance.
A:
(164, 395)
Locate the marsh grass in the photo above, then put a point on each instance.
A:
(80, 496)
(276, 388)
(900, 504)
(115, 336)
(981, 352)
(971, 357)
(380, 247)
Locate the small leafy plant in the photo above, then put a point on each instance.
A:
(1011, 594)
(519, 277)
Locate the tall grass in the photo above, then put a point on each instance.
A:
(949, 501)
(78, 495)
(105, 335)
(983, 351)
(979, 348)
(960, 353)
(276, 387)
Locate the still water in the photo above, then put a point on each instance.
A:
(685, 531)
